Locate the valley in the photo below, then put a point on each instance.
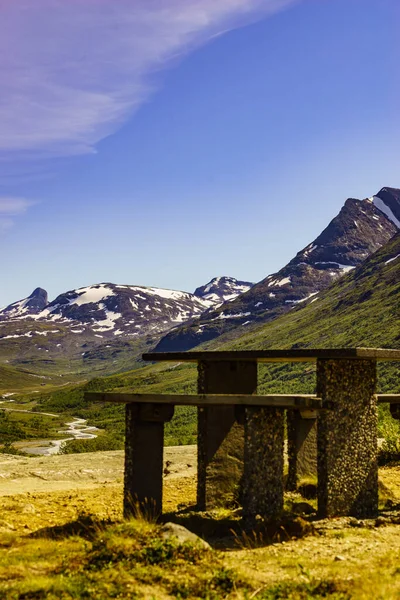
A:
(200, 300)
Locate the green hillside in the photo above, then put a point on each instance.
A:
(53, 350)
(360, 309)
(15, 380)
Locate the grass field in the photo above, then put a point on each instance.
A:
(73, 544)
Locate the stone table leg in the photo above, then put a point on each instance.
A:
(263, 463)
(144, 445)
(347, 439)
(220, 436)
(302, 446)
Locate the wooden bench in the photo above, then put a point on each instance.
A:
(241, 434)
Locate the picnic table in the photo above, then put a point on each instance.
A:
(241, 433)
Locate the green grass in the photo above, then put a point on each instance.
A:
(15, 426)
(91, 559)
(16, 380)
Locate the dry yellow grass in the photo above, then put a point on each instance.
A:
(94, 559)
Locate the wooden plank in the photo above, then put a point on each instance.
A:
(276, 400)
(288, 355)
(389, 398)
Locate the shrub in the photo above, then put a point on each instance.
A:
(101, 443)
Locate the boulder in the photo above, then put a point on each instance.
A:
(182, 535)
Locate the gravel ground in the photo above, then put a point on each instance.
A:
(19, 475)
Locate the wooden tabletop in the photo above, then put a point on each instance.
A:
(300, 401)
(289, 355)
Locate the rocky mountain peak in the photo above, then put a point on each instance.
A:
(111, 309)
(360, 228)
(222, 289)
(32, 305)
(39, 295)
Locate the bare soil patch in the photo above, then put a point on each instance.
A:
(20, 475)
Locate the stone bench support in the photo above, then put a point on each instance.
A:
(347, 438)
(263, 463)
(302, 440)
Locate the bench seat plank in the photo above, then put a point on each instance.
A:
(287, 355)
(390, 398)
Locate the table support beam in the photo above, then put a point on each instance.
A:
(220, 435)
(302, 446)
(144, 445)
(347, 439)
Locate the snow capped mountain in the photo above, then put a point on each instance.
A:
(360, 228)
(103, 326)
(107, 308)
(222, 289)
(32, 305)
(104, 320)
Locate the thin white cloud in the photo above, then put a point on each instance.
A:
(13, 206)
(9, 209)
(72, 71)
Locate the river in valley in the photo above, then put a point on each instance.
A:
(75, 430)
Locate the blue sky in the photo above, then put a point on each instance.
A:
(164, 142)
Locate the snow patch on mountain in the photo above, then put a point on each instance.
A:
(222, 289)
(380, 205)
(392, 259)
(92, 294)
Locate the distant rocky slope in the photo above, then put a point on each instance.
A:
(360, 228)
(101, 328)
(124, 309)
(104, 326)
(222, 289)
(360, 309)
(32, 305)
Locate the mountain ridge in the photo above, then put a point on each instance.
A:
(359, 229)
(92, 303)
(100, 324)
(107, 326)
